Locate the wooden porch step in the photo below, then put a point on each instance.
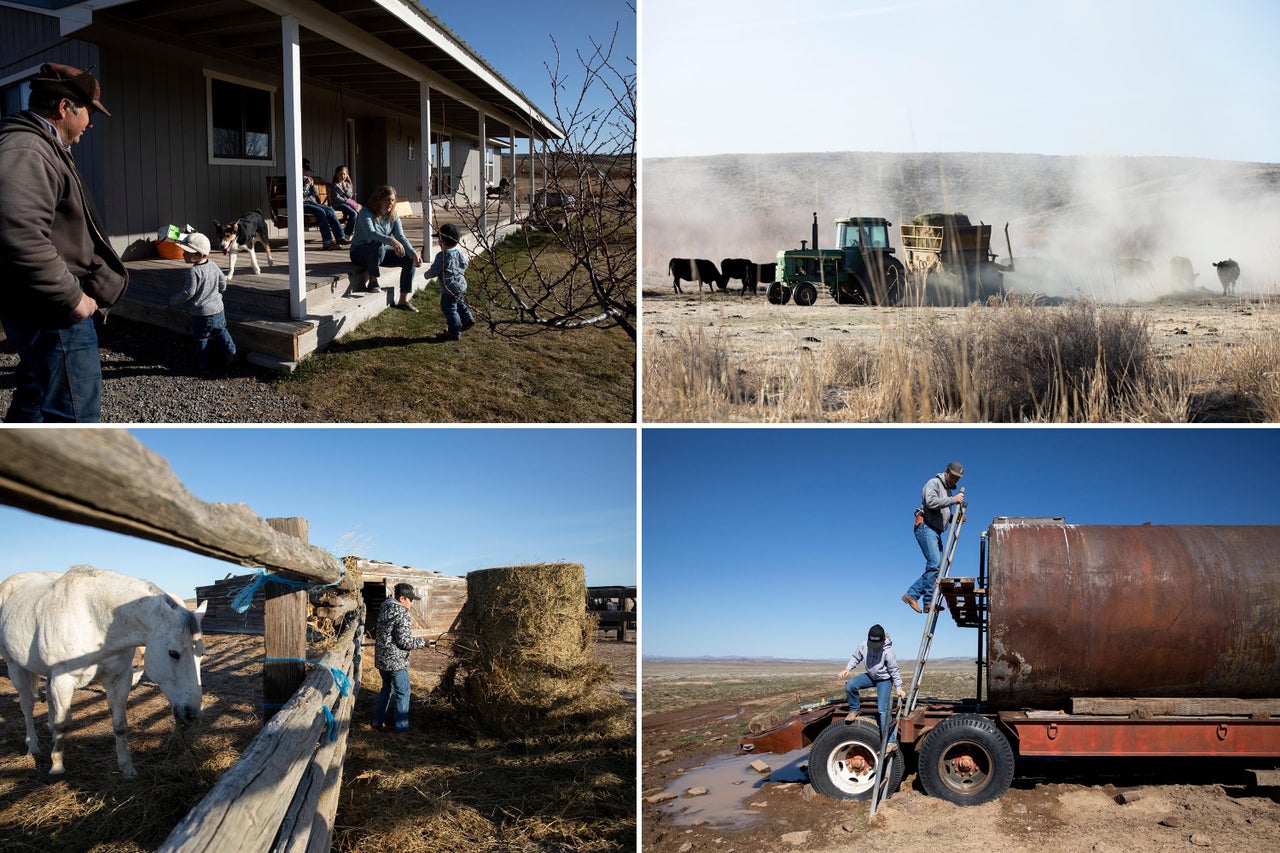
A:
(964, 600)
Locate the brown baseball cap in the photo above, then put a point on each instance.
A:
(67, 82)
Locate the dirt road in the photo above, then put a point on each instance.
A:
(1053, 807)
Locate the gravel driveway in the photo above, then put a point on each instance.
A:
(149, 376)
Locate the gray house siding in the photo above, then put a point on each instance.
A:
(159, 142)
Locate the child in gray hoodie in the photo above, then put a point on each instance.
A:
(203, 298)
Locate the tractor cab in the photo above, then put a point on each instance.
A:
(863, 233)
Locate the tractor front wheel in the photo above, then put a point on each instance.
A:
(777, 294)
(806, 294)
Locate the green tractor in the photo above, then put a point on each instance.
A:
(861, 269)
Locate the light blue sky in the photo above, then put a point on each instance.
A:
(451, 500)
(1091, 77)
(787, 542)
(515, 37)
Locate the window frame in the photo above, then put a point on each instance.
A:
(214, 159)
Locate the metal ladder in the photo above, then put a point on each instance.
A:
(907, 706)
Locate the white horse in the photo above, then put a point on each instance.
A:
(85, 625)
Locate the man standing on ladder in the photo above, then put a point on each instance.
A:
(882, 671)
(932, 519)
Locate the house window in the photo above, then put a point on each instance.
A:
(241, 121)
(14, 98)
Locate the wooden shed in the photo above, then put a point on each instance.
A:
(442, 599)
(442, 595)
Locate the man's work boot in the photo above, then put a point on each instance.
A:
(912, 603)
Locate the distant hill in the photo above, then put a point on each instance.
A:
(1085, 211)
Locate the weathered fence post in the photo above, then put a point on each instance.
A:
(284, 633)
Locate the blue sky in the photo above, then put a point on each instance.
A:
(451, 500)
(516, 39)
(1090, 77)
(786, 542)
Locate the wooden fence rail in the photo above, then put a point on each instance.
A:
(106, 478)
(283, 792)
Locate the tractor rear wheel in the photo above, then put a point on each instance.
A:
(842, 761)
(806, 293)
(777, 294)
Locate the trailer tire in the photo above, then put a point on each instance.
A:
(965, 760)
(805, 294)
(777, 294)
(831, 771)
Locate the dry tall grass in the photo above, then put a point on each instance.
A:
(1011, 362)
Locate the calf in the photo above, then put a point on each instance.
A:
(1228, 273)
(1184, 278)
(692, 269)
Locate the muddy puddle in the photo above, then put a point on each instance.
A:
(731, 785)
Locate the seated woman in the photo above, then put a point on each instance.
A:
(342, 197)
(380, 241)
(330, 226)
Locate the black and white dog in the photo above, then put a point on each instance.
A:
(242, 234)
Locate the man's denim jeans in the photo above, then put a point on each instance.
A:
(930, 542)
(59, 376)
(883, 693)
(395, 687)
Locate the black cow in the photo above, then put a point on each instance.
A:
(692, 269)
(739, 268)
(1228, 272)
(1180, 270)
(758, 274)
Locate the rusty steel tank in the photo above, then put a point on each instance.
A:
(1130, 611)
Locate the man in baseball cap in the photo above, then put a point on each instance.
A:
(933, 516)
(57, 264)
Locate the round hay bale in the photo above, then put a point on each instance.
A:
(524, 651)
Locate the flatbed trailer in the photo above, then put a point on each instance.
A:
(1201, 661)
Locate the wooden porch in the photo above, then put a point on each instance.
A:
(257, 306)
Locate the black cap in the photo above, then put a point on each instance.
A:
(405, 590)
(875, 637)
(68, 82)
(956, 469)
(306, 164)
(449, 231)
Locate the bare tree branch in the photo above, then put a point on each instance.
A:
(572, 265)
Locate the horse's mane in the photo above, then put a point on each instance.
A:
(193, 627)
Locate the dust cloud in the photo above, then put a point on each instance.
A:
(1102, 228)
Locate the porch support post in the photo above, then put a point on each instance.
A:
(427, 176)
(481, 195)
(292, 54)
(511, 171)
(532, 186)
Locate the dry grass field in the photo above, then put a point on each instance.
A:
(439, 788)
(720, 357)
(694, 712)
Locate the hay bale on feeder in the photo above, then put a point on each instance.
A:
(941, 219)
(523, 656)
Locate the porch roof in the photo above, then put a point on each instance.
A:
(376, 50)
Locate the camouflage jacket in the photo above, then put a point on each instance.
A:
(394, 638)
